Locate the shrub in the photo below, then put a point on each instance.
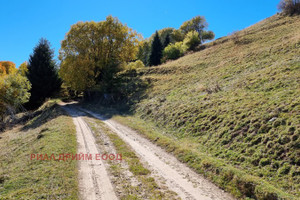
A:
(13, 93)
(289, 7)
(192, 40)
(174, 51)
(134, 65)
(208, 35)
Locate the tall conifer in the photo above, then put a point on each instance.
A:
(42, 74)
(156, 51)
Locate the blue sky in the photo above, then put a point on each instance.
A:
(23, 23)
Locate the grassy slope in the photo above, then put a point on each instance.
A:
(238, 100)
(22, 178)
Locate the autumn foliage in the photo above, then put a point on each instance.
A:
(7, 67)
(13, 90)
(92, 52)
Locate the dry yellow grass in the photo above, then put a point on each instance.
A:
(51, 132)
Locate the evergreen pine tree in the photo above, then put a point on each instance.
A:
(42, 74)
(167, 41)
(156, 51)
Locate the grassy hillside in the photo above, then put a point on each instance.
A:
(239, 99)
(50, 132)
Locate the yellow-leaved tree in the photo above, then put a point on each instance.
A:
(14, 90)
(23, 68)
(92, 52)
(7, 67)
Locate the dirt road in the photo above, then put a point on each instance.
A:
(95, 183)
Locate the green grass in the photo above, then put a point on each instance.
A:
(22, 178)
(237, 106)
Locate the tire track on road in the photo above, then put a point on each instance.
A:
(179, 178)
(94, 182)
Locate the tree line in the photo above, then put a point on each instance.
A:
(92, 55)
(99, 56)
(30, 84)
(169, 43)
